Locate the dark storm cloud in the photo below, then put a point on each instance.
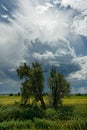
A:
(52, 31)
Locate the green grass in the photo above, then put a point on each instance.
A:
(5, 99)
(71, 116)
(44, 124)
(72, 100)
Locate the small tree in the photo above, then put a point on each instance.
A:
(59, 86)
(18, 94)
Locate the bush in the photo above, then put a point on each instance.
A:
(15, 112)
(62, 118)
(80, 112)
(11, 94)
(52, 114)
(65, 112)
(44, 124)
(10, 125)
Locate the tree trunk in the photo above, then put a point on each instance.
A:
(55, 102)
(42, 101)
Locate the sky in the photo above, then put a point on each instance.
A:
(54, 32)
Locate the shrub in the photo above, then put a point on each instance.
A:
(65, 112)
(11, 94)
(44, 124)
(10, 125)
(52, 114)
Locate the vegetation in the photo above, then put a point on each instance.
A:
(27, 117)
(68, 100)
(33, 84)
(70, 112)
(59, 87)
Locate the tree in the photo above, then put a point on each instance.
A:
(37, 80)
(18, 94)
(33, 83)
(59, 86)
(24, 72)
(26, 90)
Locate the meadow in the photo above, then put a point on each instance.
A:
(72, 115)
(8, 100)
(71, 100)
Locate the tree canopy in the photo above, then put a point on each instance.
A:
(33, 83)
(58, 85)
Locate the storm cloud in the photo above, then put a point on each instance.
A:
(54, 32)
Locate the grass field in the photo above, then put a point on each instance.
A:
(75, 100)
(71, 116)
(6, 100)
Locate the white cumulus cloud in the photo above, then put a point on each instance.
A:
(39, 29)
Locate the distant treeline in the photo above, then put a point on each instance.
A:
(19, 94)
(79, 94)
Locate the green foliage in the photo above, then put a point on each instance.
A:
(16, 112)
(18, 94)
(52, 114)
(44, 124)
(26, 90)
(59, 87)
(61, 113)
(80, 112)
(33, 82)
(65, 112)
(37, 80)
(23, 71)
(11, 94)
(67, 117)
(13, 125)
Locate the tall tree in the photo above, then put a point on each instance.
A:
(33, 83)
(59, 86)
(38, 82)
(26, 91)
(26, 86)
